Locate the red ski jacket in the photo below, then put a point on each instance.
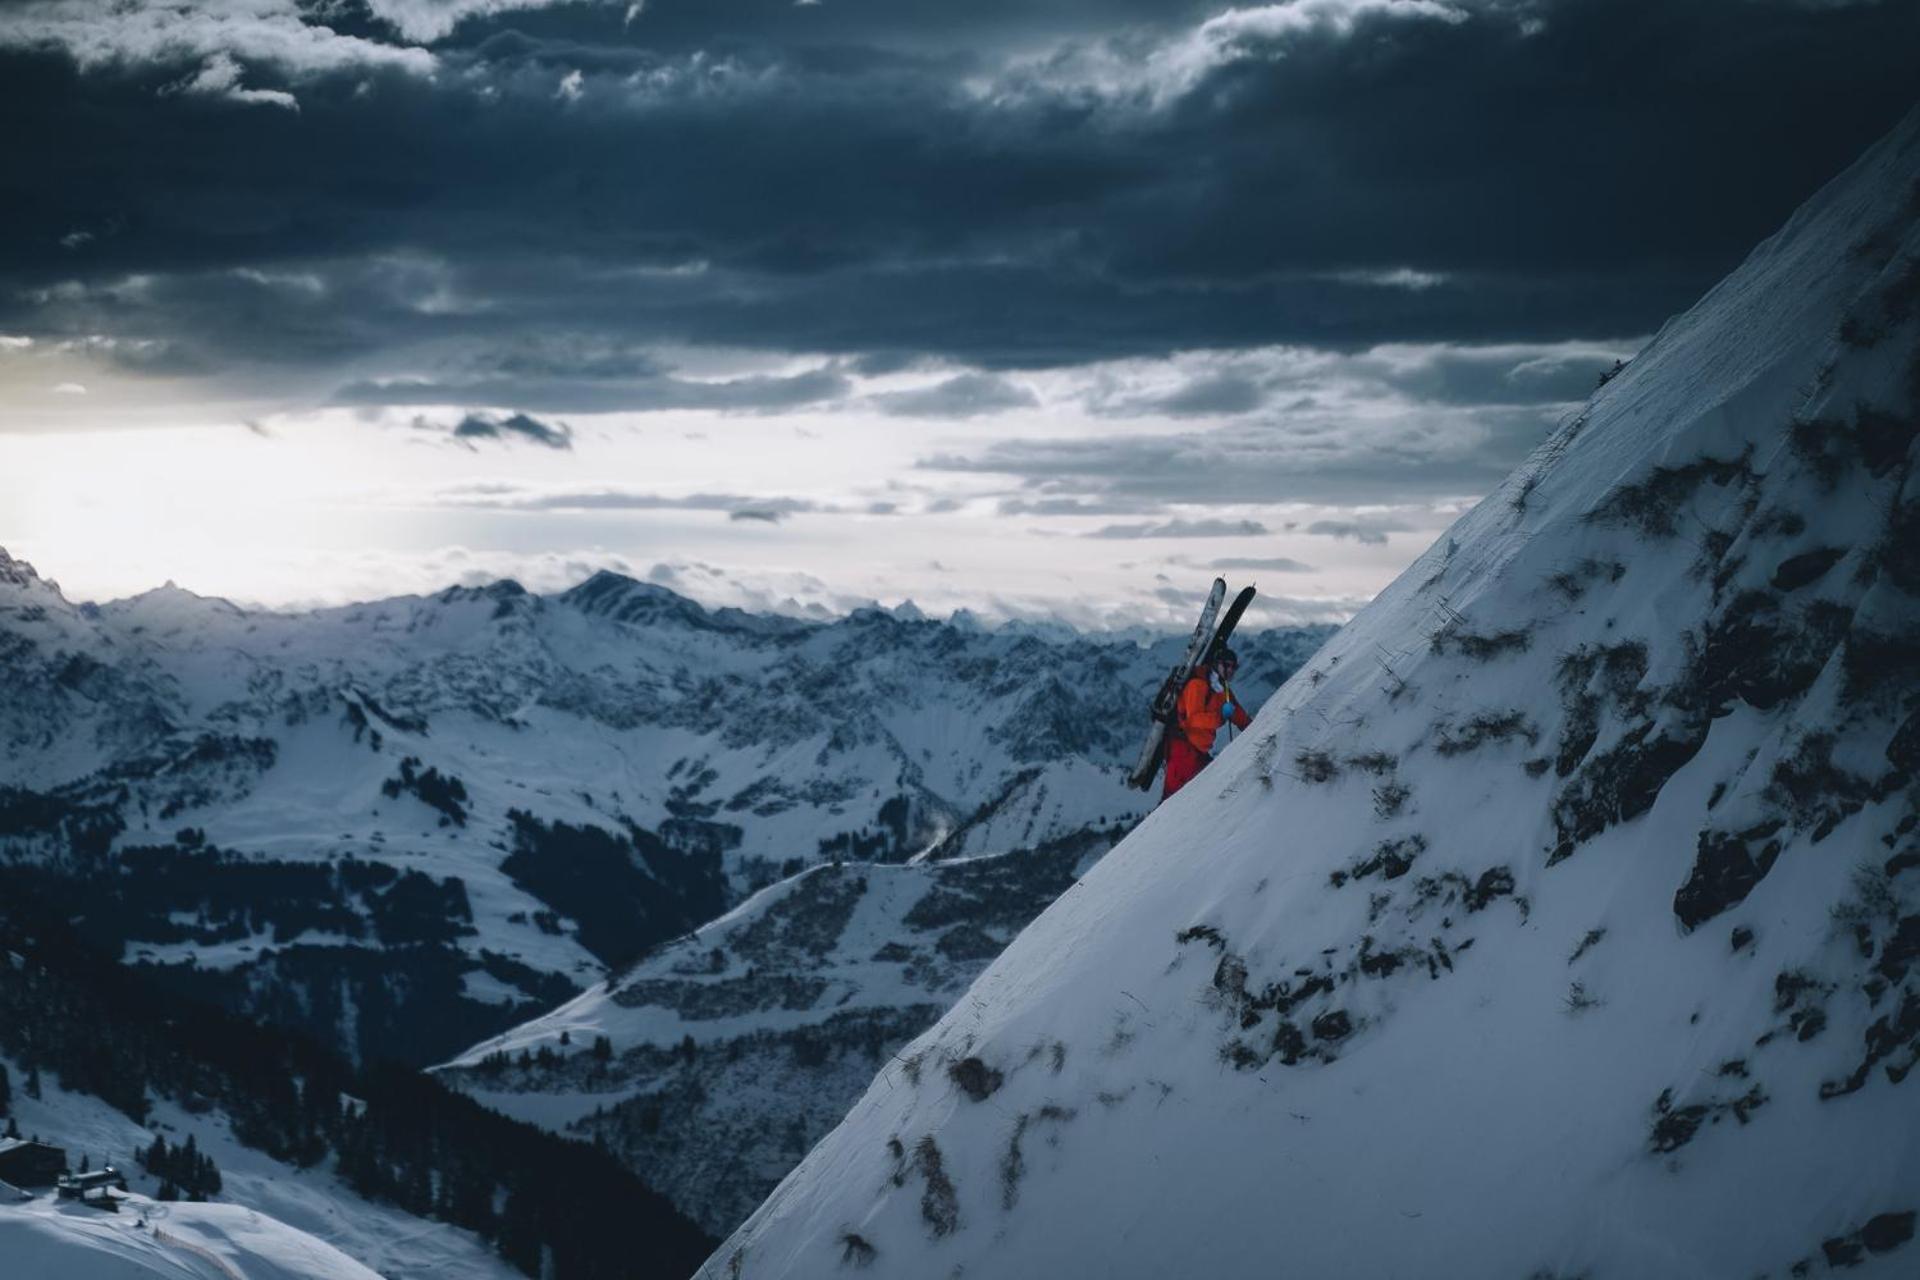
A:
(1199, 714)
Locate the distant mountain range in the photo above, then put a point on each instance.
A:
(407, 826)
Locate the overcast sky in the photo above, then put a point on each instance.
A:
(1038, 307)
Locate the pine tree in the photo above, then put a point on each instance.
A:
(519, 1239)
(6, 1089)
(33, 1083)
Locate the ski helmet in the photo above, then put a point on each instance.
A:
(1228, 657)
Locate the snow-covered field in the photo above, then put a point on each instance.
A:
(1562, 919)
(52, 1239)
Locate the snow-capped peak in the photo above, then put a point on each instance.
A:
(17, 573)
(614, 595)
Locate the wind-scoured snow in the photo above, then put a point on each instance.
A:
(1561, 919)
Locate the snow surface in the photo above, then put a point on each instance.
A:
(48, 1239)
(1541, 927)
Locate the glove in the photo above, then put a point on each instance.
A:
(1226, 709)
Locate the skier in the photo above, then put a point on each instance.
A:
(1206, 703)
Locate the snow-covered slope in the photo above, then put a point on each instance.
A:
(1562, 919)
(406, 825)
(270, 1219)
(713, 1065)
(148, 1241)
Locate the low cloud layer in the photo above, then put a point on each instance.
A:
(514, 497)
(514, 426)
(596, 394)
(967, 395)
(1373, 532)
(1268, 564)
(1183, 529)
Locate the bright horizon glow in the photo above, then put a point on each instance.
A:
(338, 505)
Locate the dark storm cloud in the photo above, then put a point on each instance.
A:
(1210, 395)
(966, 395)
(1411, 453)
(513, 426)
(1500, 376)
(847, 34)
(1224, 394)
(759, 393)
(1370, 532)
(871, 179)
(1291, 380)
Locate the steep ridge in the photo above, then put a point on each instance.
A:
(713, 1064)
(1561, 919)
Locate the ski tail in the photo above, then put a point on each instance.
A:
(1228, 621)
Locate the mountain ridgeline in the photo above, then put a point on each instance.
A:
(1561, 919)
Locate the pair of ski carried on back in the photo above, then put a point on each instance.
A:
(1196, 698)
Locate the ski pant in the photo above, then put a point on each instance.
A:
(1184, 760)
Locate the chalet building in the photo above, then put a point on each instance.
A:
(91, 1187)
(25, 1163)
